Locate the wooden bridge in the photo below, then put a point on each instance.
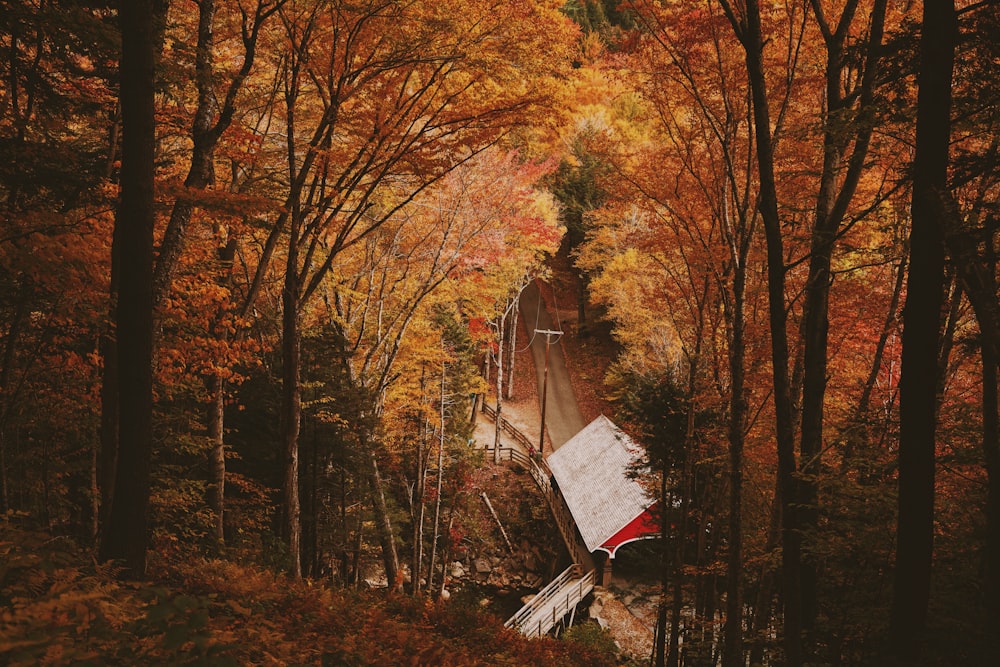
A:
(561, 596)
(553, 603)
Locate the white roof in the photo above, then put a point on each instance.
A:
(592, 471)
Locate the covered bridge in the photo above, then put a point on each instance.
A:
(593, 472)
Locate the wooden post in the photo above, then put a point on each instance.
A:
(545, 382)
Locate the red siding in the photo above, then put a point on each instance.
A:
(644, 525)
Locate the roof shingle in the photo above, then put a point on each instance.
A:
(592, 471)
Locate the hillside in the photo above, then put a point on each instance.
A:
(58, 609)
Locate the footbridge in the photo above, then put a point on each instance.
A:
(553, 603)
(551, 606)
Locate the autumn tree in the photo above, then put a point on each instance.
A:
(703, 121)
(709, 213)
(971, 241)
(380, 101)
(526, 234)
(427, 429)
(847, 121)
(576, 183)
(58, 129)
(217, 94)
(211, 119)
(477, 218)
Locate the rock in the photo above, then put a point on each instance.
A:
(525, 599)
(445, 594)
(530, 562)
(456, 571)
(374, 577)
(482, 566)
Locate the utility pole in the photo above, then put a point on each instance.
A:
(545, 382)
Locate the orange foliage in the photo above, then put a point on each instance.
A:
(62, 610)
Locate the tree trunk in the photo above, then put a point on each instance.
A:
(921, 325)
(831, 207)
(95, 496)
(705, 582)
(383, 522)
(291, 404)
(217, 457)
(437, 500)
(860, 418)
(21, 310)
(677, 603)
(419, 490)
(991, 447)
(108, 456)
(791, 556)
(765, 588)
(815, 328)
(660, 634)
(356, 553)
(209, 124)
(499, 386)
(309, 493)
(511, 356)
(125, 535)
(216, 415)
(687, 476)
(977, 272)
(733, 654)
(447, 552)
(202, 171)
(345, 532)
(418, 498)
(676, 606)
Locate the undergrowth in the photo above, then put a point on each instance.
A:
(58, 607)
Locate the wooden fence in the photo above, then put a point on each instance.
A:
(543, 479)
(511, 430)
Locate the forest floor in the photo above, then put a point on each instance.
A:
(59, 608)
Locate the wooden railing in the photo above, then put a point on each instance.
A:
(542, 476)
(556, 600)
(511, 430)
(567, 527)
